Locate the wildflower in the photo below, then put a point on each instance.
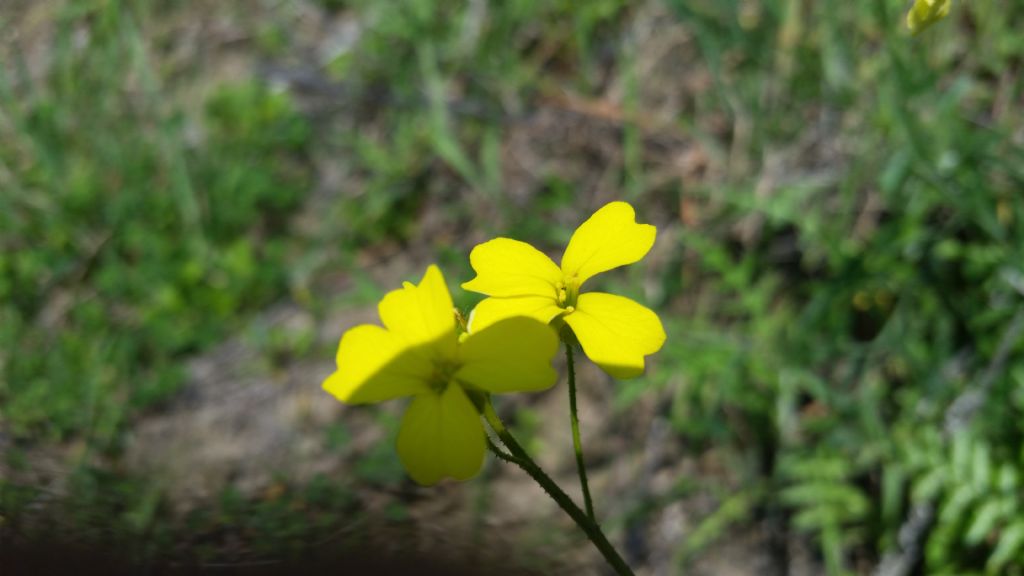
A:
(615, 332)
(924, 13)
(419, 353)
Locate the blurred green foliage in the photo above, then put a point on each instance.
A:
(124, 245)
(820, 352)
(824, 353)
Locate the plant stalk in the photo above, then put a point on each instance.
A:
(518, 456)
(577, 445)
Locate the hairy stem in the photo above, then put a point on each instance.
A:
(577, 445)
(523, 460)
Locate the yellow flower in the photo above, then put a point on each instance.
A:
(615, 332)
(924, 13)
(419, 353)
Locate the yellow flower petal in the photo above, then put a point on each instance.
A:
(422, 314)
(374, 366)
(513, 355)
(506, 267)
(924, 13)
(608, 239)
(441, 435)
(491, 310)
(615, 332)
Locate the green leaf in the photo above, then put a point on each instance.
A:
(844, 500)
(893, 491)
(929, 486)
(981, 465)
(734, 509)
(961, 457)
(1008, 477)
(957, 504)
(1010, 547)
(815, 519)
(984, 521)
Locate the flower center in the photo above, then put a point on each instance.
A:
(444, 371)
(568, 290)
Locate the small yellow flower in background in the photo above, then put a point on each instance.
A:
(420, 353)
(615, 332)
(924, 13)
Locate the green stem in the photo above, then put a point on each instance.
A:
(501, 454)
(517, 455)
(577, 445)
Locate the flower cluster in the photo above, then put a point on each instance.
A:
(508, 344)
(419, 353)
(615, 332)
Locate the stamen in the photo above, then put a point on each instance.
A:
(444, 370)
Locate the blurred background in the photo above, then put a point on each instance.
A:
(198, 198)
